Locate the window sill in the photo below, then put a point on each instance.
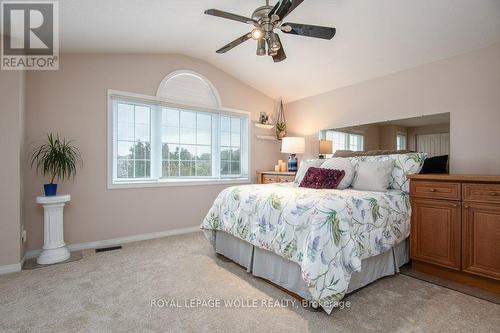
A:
(177, 183)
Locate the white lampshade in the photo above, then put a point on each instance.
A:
(293, 145)
(325, 147)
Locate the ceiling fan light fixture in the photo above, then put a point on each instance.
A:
(274, 43)
(261, 47)
(271, 52)
(257, 33)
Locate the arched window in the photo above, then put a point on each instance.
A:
(189, 88)
(181, 136)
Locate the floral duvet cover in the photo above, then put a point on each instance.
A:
(326, 232)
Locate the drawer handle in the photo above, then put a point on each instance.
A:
(433, 190)
(466, 206)
(493, 194)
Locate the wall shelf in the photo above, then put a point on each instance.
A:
(263, 126)
(267, 137)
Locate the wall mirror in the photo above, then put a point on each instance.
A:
(429, 134)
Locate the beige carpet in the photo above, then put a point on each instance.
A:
(112, 292)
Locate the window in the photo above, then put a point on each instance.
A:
(230, 145)
(133, 140)
(401, 142)
(344, 141)
(186, 143)
(156, 142)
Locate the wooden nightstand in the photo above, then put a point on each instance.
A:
(267, 177)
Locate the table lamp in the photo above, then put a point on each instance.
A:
(325, 148)
(292, 145)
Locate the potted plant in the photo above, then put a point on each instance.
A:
(281, 123)
(281, 130)
(56, 158)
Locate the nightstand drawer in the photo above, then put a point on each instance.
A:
(266, 179)
(481, 192)
(286, 179)
(269, 177)
(435, 190)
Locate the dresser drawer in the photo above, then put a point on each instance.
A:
(436, 190)
(481, 192)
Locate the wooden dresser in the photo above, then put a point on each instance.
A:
(455, 228)
(267, 177)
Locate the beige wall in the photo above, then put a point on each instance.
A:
(388, 136)
(72, 102)
(371, 137)
(11, 136)
(467, 86)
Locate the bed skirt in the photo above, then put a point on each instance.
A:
(287, 274)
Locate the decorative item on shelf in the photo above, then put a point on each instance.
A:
(277, 168)
(264, 118)
(325, 148)
(292, 145)
(281, 123)
(56, 158)
(264, 121)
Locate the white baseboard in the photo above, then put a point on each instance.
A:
(6, 269)
(118, 241)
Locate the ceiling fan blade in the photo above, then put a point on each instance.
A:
(284, 7)
(280, 9)
(308, 30)
(281, 55)
(234, 43)
(275, 8)
(229, 16)
(295, 4)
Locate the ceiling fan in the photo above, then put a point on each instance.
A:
(265, 20)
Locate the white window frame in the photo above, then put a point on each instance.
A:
(347, 143)
(159, 182)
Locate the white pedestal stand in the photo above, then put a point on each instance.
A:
(54, 248)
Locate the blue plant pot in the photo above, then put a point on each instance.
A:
(50, 190)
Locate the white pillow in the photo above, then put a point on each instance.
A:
(340, 163)
(304, 166)
(373, 176)
(404, 165)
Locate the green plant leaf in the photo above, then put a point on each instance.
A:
(56, 158)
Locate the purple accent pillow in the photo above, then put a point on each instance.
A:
(320, 178)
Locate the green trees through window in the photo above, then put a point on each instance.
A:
(154, 142)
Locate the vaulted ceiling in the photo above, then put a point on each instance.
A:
(374, 38)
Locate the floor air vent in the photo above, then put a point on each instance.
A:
(106, 249)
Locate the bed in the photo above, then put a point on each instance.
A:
(319, 244)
